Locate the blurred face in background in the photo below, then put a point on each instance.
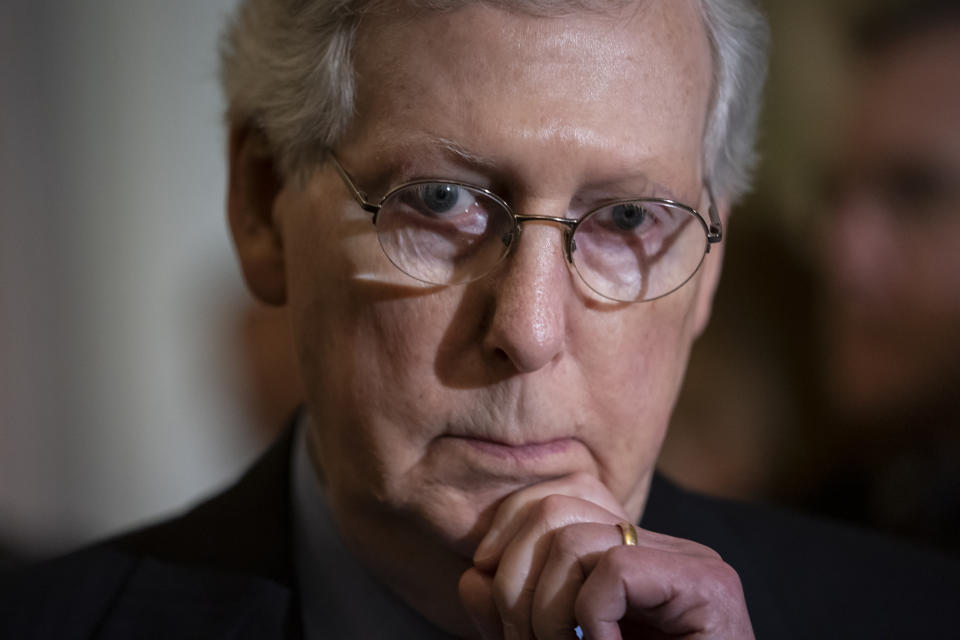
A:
(893, 233)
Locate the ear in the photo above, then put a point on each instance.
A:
(710, 278)
(254, 186)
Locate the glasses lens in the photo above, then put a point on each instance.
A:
(444, 233)
(633, 251)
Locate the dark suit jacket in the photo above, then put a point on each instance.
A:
(225, 570)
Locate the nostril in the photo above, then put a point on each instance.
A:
(526, 329)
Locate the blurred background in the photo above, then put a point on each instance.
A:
(136, 375)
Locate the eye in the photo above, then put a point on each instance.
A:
(438, 198)
(627, 217)
(447, 204)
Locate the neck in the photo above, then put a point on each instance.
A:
(418, 569)
(412, 565)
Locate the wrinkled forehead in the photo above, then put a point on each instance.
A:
(662, 38)
(565, 75)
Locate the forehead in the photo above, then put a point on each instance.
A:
(633, 82)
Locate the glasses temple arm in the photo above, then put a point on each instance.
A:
(358, 195)
(715, 228)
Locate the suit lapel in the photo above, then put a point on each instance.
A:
(246, 529)
(172, 601)
(222, 570)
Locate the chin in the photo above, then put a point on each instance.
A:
(456, 517)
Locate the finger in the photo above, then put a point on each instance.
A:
(682, 594)
(523, 558)
(513, 511)
(476, 594)
(572, 550)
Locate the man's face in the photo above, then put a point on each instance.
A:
(893, 257)
(434, 403)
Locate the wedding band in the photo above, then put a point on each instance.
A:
(628, 532)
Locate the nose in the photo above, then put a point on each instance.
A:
(530, 293)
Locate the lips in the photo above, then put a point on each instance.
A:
(521, 452)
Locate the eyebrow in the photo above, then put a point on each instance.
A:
(457, 150)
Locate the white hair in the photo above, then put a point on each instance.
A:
(286, 67)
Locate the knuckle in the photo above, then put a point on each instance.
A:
(727, 608)
(682, 546)
(553, 508)
(720, 580)
(695, 548)
(728, 578)
(583, 478)
(512, 502)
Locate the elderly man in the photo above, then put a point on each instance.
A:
(496, 227)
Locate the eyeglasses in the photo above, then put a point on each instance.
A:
(446, 232)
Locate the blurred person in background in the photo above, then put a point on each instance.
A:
(891, 263)
(487, 378)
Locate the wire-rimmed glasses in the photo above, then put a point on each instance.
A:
(446, 232)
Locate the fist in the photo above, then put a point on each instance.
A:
(555, 559)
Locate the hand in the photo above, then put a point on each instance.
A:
(554, 558)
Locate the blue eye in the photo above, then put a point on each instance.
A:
(439, 197)
(628, 217)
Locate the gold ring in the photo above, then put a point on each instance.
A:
(628, 532)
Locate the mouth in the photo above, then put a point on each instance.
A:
(517, 452)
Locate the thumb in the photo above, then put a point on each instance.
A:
(476, 594)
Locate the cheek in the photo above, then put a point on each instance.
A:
(368, 358)
(639, 354)
(634, 378)
(368, 352)
(367, 336)
(351, 309)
